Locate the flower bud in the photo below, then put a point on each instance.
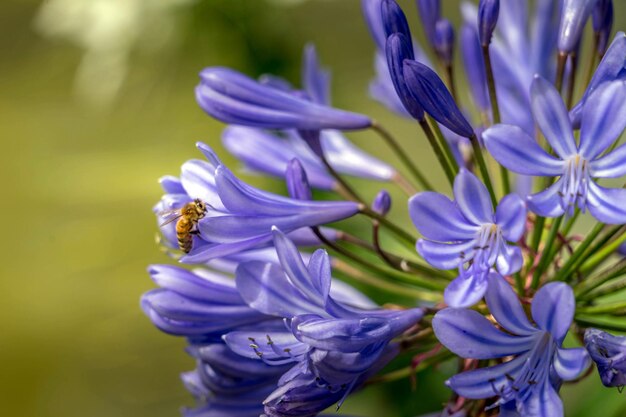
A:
(488, 11)
(297, 182)
(382, 203)
(609, 354)
(602, 19)
(574, 15)
(233, 98)
(430, 12)
(444, 40)
(432, 94)
(398, 50)
(394, 21)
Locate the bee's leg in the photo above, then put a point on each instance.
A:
(195, 232)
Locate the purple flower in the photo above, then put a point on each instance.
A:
(488, 11)
(240, 217)
(270, 152)
(444, 40)
(234, 98)
(331, 344)
(468, 232)
(530, 379)
(427, 88)
(576, 165)
(201, 305)
(603, 23)
(398, 50)
(574, 16)
(226, 384)
(609, 354)
(611, 68)
(475, 67)
(521, 47)
(382, 203)
(430, 13)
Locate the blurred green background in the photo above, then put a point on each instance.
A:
(96, 104)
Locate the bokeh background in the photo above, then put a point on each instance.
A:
(96, 103)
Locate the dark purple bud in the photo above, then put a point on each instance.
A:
(488, 11)
(398, 49)
(474, 66)
(574, 15)
(373, 17)
(394, 21)
(297, 181)
(444, 40)
(432, 94)
(382, 203)
(231, 97)
(430, 12)
(603, 23)
(609, 354)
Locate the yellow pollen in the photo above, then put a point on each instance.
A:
(494, 228)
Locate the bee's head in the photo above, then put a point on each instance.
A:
(200, 205)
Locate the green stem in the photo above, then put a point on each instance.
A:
(402, 155)
(548, 252)
(390, 287)
(560, 70)
(601, 255)
(482, 166)
(444, 145)
(392, 273)
(574, 261)
(491, 85)
(437, 150)
(537, 233)
(611, 288)
(587, 321)
(495, 111)
(406, 237)
(603, 277)
(617, 307)
(407, 371)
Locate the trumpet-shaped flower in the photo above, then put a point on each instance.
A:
(240, 217)
(467, 234)
(234, 98)
(270, 152)
(331, 344)
(575, 165)
(609, 354)
(536, 363)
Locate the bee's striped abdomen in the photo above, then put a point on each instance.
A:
(183, 229)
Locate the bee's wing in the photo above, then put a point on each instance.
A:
(170, 216)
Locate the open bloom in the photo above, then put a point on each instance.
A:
(609, 354)
(467, 234)
(576, 165)
(529, 381)
(333, 343)
(240, 217)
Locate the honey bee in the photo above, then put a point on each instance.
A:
(187, 224)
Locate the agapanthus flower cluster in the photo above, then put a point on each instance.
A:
(494, 271)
